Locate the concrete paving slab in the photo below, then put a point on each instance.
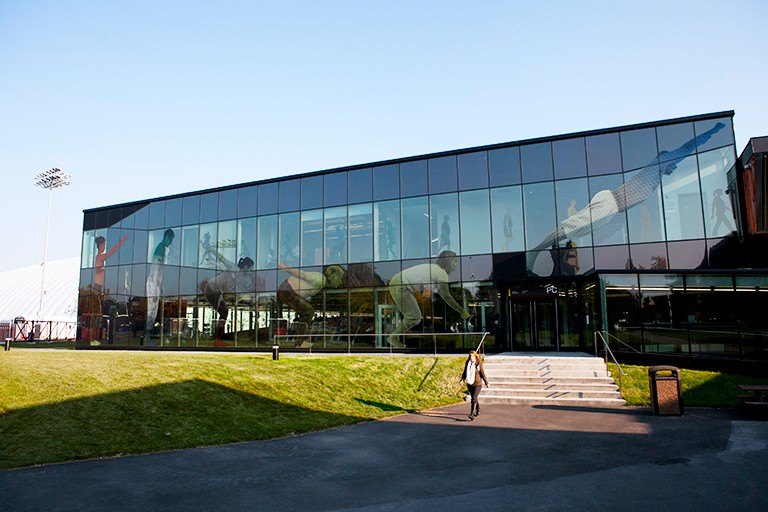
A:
(542, 458)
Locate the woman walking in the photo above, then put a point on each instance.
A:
(474, 376)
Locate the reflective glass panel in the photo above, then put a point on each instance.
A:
(413, 178)
(444, 223)
(360, 186)
(139, 246)
(288, 251)
(507, 219)
(360, 233)
(142, 218)
(247, 200)
(536, 162)
(209, 207)
(638, 148)
(246, 239)
(386, 230)
(649, 256)
(228, 204)
(311, 192)
(540, 221)
(504, 166)
(712, 315)
(477, 268)
(603, 154)
(190, 210)
(208, 244)
(335, 189)
(267, 202)
(415, 228)
(687, 255)
(312, 237)
(156, 214)
(572, 198)
(442, 174)
(386, 182)
(722, 137)
(475, 222)
(609, 226)
(173, 212)
(290, 197)
(336, 235)
(682, 201)
(645, 220)
(473, 170)
(672, 137)
(190, 243)
(570, 158)
(614, 257)
(713, 166)
(267, 246)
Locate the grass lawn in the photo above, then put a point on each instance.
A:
(699, 388)
(67, 405)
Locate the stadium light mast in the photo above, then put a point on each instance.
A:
(49, 180)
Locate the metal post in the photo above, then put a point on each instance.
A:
(45, 257)
(49, 180)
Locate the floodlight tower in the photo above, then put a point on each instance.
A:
(49, 180)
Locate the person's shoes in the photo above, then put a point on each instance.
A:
(471, 418)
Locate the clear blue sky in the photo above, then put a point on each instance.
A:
(139, 99)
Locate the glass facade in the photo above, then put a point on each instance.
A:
(527, 246)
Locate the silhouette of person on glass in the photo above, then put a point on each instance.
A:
(155, 279)
(389, 233)
(718, 212)
(100, 262)
(445, 235)
(508, 233)
(302, 285)
(234, 278)
(606, 204)
(421, 280)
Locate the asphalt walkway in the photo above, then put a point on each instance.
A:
(526, 458)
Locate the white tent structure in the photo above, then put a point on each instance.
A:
(20, 291)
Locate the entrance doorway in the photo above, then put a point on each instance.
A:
(534, 324)
(552, 317)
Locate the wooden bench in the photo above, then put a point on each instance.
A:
(757, 394)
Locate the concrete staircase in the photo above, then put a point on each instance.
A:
(554, 378)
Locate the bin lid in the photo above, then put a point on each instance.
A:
(663, 367)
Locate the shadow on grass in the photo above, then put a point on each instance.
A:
(383, 406)
(157, 418)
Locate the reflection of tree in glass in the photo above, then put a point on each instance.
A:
(607, 203)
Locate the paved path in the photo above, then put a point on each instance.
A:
(526, 458)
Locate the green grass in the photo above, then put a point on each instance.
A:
(699, 388)
(65, 405)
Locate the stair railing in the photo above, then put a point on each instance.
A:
(602, 335)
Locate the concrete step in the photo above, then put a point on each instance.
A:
(534, 379)
(573, 402)
(549, 393)
(587, 386)
(537, 379)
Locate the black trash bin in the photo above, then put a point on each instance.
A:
(666, 397)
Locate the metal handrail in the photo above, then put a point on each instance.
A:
(281, 338)
(608, 351)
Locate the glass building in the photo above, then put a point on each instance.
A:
(529, 245)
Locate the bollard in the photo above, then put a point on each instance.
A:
(7, 344)
(275, 352)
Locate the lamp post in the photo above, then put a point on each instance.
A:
(50, 180)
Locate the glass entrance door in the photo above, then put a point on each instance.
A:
(534, 324)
